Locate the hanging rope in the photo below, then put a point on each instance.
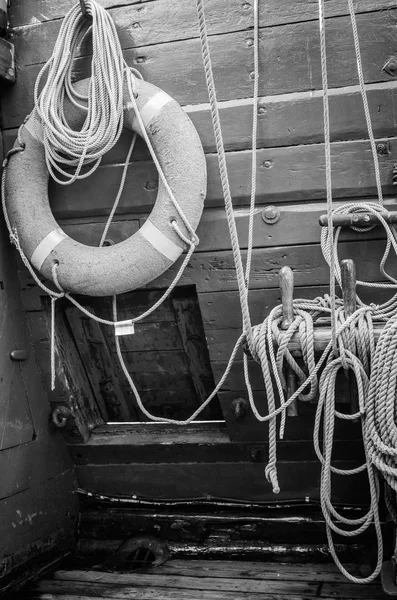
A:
(352, 341)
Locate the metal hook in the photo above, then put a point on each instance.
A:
(84, 9)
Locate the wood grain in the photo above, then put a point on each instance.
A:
(218, 18)
(283, 120)
(215, 272)
(289, 58)
(296, 174)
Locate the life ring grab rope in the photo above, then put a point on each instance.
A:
(150, 232)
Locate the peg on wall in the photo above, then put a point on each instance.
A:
(286, 280)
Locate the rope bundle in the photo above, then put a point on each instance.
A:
(352, 344)
(104, 104)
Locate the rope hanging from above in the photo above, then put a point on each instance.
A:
(82, 150)
(103, 123)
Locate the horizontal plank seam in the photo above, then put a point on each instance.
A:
(288, 97)
(196, 37)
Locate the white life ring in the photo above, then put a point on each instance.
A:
(150, 251)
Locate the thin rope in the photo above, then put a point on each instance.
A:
(328, 176)
(365, 101)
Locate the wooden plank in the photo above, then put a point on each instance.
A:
(72, 383)
(283, 120)
(221, 310)
(250, 429)
(100, 368)
(297, 44)
(72, 387)
(157, 361)
(297, 225)
(188, 318)
(193, 448)
(155, 23)
(297, 480)
(352, 591)
(296, 173)
(124, 581)
(221, 17)
(255, 570)
(214, 271)
(149, 593)
(35, 513)
(7, 62)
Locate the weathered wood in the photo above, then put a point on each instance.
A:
(232, 70)
(283, 120)
(35, 560)
(222, 341)
(7, 62)
(194, 447)
(33, 520)
(214, 271)
(173, 481)
(218, 18)
(148, 593)
(255, 570)
(250, 429)
(188, 318)
(127, 582)
(221, 310)
(72, 383)
(353, 175)
(100, 368)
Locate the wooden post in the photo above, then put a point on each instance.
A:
(286, 279)
(348, 272)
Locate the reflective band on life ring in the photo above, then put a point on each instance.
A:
(150, 251)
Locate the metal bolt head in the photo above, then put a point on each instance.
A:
(249, 42)
(261, 110)
(271, 215)
(267, 164)
(18, 355)
(390, 67)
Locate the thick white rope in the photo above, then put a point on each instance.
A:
(104, 120)
(264, 335)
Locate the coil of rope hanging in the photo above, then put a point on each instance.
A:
(72, 127)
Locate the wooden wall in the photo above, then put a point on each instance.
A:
(38, 504)
(160, 38)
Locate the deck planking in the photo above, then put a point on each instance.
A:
(207, 580)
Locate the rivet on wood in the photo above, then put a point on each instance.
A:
(247, 6)
(261, 110)
(271, 215)
(252, 75)
(267, 164)
(249, 42)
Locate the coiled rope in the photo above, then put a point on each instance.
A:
(352, 344)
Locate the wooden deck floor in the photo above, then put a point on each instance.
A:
(206, 580)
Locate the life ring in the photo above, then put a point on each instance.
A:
(150, 251)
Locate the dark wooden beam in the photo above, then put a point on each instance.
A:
(7, 61)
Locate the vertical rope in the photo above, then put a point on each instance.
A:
(328, 177)
(365, 101)
(241, 281)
